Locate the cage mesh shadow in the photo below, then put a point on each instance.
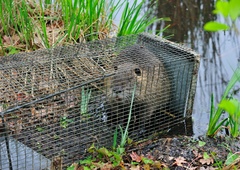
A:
(56, 103)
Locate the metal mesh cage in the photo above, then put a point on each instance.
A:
(56, 103)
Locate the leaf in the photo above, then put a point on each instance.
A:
(159, 165)
(215, 26)
(234, 6)
(206, 159)
(104, 151)
(146, 167)
(135, 167)
(147, 161)
(92, 148)
(117, 157)
(120, 150)
(205, 155)
(135, 157)
(231, 106)
(222, 7)
(86, 168)
(231, 158)
(201, 143)
(72, 167)
(87, 161)
(180, 161)
(107, 166)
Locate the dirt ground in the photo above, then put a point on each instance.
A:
(182, 152)
(177, 153)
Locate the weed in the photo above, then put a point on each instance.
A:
(85, 98)
(124, 136)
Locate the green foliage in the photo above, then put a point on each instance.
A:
(215, 114)
(64, 122)
(215, 26)
(231, 158)
(124, 136)
(201, 143)
(232, 106)
(230, 10)
(105, 155)
(131, 23)
(147, 161)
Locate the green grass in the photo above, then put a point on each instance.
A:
(132, 23)
(85, 98)
(27, 25)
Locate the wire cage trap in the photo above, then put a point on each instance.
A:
(55, 103)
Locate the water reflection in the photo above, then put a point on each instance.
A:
(219, 52)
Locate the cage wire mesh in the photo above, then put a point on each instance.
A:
(56, 103)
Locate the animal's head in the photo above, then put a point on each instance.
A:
(126, 75)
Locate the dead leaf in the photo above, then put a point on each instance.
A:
(146, 167)
(197, 154)
(207, 161)
(107, 166)
(179, 161)
(22, 96)
(159, 165)
(207, 168)
(135, 157)
(135, 167)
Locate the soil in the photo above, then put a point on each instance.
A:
(183, 152)
(178, 153)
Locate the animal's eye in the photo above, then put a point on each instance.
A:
(137, 71)
(115, 67)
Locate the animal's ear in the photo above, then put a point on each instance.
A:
(137, 71)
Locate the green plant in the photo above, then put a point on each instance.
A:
(131, 23)
(231, 158)
(39, 129)
(85, 98)
(232, 106)
(124, 135)
(230, 10)
(64, 122)
(215, 114)
(47, 23)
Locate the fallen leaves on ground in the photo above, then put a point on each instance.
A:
(181, 153)
(180, 161)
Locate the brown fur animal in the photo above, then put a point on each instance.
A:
(137, 64)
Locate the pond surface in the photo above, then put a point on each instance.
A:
(220, 52)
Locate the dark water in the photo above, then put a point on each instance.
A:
(220, 52)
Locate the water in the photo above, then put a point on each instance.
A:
(220, 52)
